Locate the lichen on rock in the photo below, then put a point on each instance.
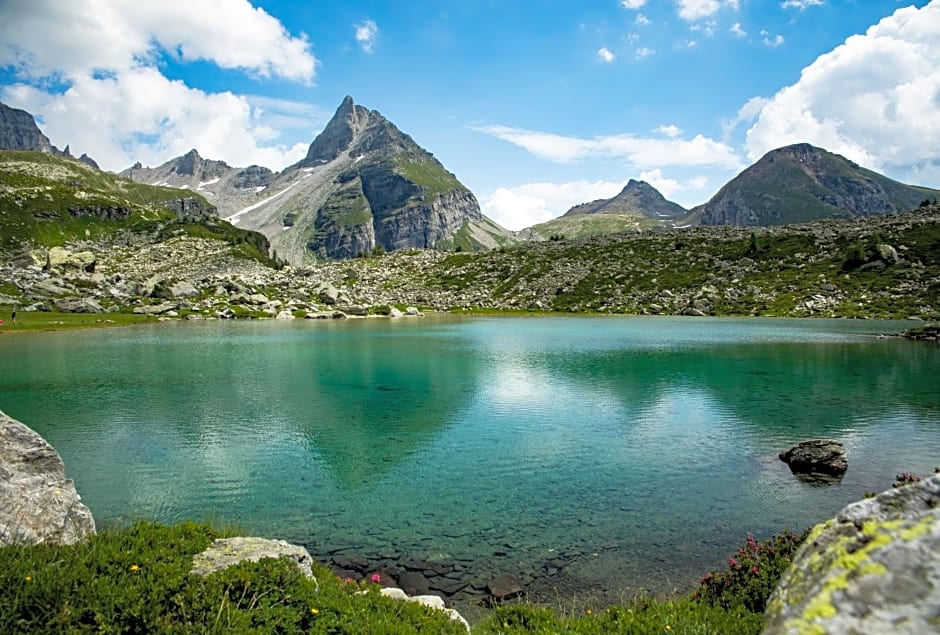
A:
(874, 568)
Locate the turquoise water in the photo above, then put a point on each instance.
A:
(638, 451)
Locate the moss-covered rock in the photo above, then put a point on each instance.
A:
(874, 568)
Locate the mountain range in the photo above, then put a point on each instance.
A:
(365, 186)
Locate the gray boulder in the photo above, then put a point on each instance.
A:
(226, 552)
(37, 503)
(184, 289)
(78, 305)
(823, 456)
(874, 568)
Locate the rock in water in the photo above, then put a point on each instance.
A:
(37, 503)
(823, 456)
(226, 552)
(875, 568)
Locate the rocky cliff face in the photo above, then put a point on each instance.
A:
(802, 183)
(37, 503)
(366, 184)
(18, 131)
(226, 187)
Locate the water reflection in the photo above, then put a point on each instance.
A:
(651, 442)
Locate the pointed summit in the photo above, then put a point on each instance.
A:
(189, 163)
(338, 133)
(637, 197)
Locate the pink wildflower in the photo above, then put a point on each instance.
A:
(376, 578)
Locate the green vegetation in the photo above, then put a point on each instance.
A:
(137, 580)
(807, 270)
(586, 225)
(752, 573)
(428, 173)
(47, 201)
(52, 321)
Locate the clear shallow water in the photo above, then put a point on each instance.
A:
(638, 450)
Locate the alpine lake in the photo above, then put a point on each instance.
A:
(594, 458)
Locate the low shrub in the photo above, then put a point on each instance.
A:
(752, 573)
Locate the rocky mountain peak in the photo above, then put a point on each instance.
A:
(637, 197)
(338, 134)
(189, 163)
(18, 131)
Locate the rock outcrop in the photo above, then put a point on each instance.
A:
(817, 456)
(875, 568)
(38, 504)
(18, 131)
(801, 183)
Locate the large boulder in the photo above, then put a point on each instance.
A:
(821, 456)
(225, 552)
(78, 305)
(37, 503)
(874, 568)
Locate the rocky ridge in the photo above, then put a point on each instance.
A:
(364, 185)
(227, 188)
(805, 270)
(18, 131)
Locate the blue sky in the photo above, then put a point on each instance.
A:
(536, 106)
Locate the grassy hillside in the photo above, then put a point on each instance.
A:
(48, 200)
(830, 268)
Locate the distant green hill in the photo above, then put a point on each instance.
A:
(48, 200)
(639, 206)
(801, 183)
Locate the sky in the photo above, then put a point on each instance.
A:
(535, 105)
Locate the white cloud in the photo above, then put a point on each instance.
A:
(140, 115)
(604, 55)
(638, 151)
(632, 4)
(532, 203)
(669, 187)
(693, 10)
(45, 37)
(643, 51)
(707, 28)
(737, 30)
(874, 99)
(91, 70)
(672, 131)
(772, 42)
(800, 4)
(746, 114)
(366, 33)
(641, 20)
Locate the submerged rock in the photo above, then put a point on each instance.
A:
(37, 503)
(874, 568)
(823, 456)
